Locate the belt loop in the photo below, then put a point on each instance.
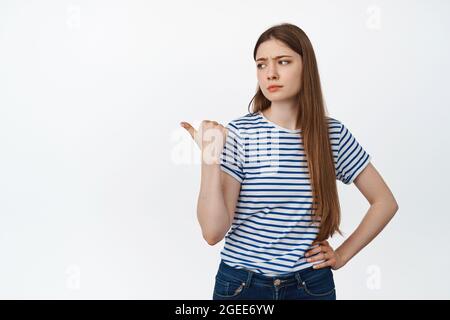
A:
(300, 281)
(249, 278)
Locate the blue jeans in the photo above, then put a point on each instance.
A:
(243, 284)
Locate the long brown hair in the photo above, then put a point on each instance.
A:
(313, 125)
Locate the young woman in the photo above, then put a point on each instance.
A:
(270, 176)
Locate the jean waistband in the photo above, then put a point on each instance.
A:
(246, 275)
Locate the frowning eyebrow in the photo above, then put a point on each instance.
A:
(277, 57)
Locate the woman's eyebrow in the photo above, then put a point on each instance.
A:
(277, 57)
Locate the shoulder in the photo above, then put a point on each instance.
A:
(240, 124)
(335, 126)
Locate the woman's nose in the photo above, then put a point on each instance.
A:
(271, 71)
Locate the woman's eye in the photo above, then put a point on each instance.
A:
(259, 65)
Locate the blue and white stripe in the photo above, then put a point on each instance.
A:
(272, 227)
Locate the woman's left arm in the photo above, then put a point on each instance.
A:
(383, 207)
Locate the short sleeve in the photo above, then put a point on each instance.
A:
(232, 156)
(352, 158)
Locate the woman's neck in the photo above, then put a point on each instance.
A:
(283, 115)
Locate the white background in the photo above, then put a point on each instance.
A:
(99, 183)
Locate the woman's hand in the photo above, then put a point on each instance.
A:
(210, 138)
(325, 252)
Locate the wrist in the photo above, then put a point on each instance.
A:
(210, 157)
(210, 164)
(342, 257)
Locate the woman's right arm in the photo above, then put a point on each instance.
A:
(216, 204)
(219, 192)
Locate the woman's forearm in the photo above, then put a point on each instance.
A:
(376, 218)
(212, 213)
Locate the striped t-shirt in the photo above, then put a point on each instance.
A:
(272, 226)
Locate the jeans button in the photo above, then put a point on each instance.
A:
(277, 282)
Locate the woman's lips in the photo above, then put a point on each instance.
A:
(272, 89)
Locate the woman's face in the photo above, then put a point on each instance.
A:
(285, 71)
